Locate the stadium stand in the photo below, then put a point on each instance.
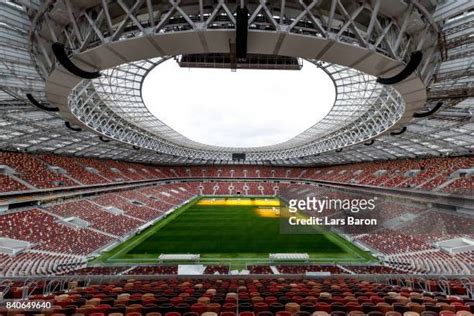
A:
(437, 225)
(97, 271)
(97, 217)
(74, 168)
(254, 296)
(131, 171)
(391, 242)
(102, 169)
(85, 165)
(151, 199)
(463, 185)
(48, 233)
(435, 174)
(422, 174)
(141, 211)
(430, 262)
(302, 269)
(33, 263)
(9, 185)
(373, 269)
(152, 270)
(401, 246)
(217, 269)
(33, 171)
(259, 269)
(224, 188)
(59, 243)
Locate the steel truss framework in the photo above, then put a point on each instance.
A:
(85, 26)
(112, 105)
(449, 131)
(94, 26)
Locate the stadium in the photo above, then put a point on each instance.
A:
(335, 178)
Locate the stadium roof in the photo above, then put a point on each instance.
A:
(366, 122)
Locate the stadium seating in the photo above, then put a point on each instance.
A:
(97, 271)
(461, 186)
(217, 269)
(438, 225)
(152, 270)
(254, 188)
(103, 169)
(97, 216)
(109, 216)
(140, 211)
(33, 263)
(373, 269)
(431, 262)
(224, 188)
(433, 174)
(254, 297)
(132, 171)
(207, 188)
(402, 247)
(63, 245)
(49, 234)
(302, 269)
(74, 169)
(423, 174)
(239, 188)
(9, 185)
(34, 171)
(150, 198)
(390, 242)
(259, 269)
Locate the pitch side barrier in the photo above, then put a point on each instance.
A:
(36, 197)
(63, 283)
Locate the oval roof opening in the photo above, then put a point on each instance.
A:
(243, 108)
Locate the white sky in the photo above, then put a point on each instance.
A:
(246, 108)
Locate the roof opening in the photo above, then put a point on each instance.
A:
(243, 108)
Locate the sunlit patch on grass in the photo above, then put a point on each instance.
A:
(239, 202)
(268, 212)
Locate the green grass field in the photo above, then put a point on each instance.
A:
(230, 230)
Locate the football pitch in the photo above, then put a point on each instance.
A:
(230, 230)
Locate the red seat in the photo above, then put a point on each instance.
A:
(229, 307)
(446, 313)
(353, 307)
(323, 307)
(176, 300)
(198, 308)
(260, 307)
(270, 299)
